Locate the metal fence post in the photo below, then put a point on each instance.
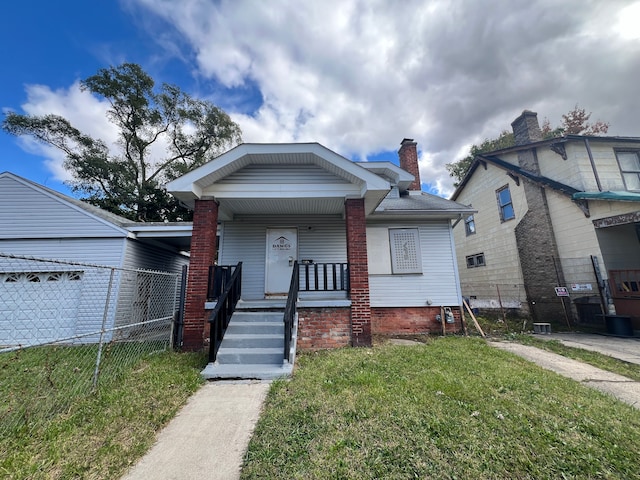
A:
(177, 341)
(102, 330)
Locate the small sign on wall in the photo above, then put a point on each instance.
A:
(562, 292)
(581, 287)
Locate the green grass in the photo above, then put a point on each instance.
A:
(450, 408)
(54, 426)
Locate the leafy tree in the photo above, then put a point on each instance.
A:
(129, 182)
(574, 122)
(460, 168)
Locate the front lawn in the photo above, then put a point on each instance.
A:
(53, 427)
(451, 408)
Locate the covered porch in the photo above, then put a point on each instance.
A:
(273, 207)
(619, 238)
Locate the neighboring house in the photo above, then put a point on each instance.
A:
(561, 212)
(386, 245)
(44, 301)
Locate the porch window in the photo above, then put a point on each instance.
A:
(476, 260)
(470, 225)
(405, 250)
(629, 162)
(505, 205)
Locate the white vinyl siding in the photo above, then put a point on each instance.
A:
(320, 239)
(29, 213)
(438, 282)
(149, 257)
(281, 174)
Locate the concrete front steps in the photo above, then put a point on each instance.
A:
(252, 348)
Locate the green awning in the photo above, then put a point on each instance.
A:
(623, 196)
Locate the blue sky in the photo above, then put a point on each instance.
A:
(357, 76)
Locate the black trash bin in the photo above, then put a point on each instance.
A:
(619, 325)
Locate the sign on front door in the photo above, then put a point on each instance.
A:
(282, 251)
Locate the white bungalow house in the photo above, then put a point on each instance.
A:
(373, 254)
(90, 274)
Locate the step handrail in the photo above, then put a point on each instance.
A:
(291, 309)
(221, 314)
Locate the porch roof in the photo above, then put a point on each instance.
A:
(280, 179)
(612, 196)
(422, 205)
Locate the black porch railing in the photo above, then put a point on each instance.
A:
(219, 276)
(290, 309)
(227, 300)
(324, 277)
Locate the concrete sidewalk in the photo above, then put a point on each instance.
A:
(623, 388)
(208, 437)
(622, 348)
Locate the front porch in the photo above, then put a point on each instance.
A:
(258, 338)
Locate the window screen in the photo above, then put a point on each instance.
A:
(405, 250)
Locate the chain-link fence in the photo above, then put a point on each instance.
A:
(67, 329)
(579, 297)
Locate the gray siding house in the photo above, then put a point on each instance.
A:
(65, 297)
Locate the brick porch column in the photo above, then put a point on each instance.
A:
(358, 273)
(203, 252)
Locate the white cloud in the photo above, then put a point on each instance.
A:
(360, 75)
(82, 109)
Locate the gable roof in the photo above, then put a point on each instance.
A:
(516, 171)
(555, 143)
(351, 180)
(174, 234)
(392, 172)
(96, 213)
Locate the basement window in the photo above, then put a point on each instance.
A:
(405, 250)
(476, 260)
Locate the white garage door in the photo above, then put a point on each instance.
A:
(38, 307)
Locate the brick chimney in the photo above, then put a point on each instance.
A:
(408, 154)
(526, 128)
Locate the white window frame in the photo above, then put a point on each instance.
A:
(626, 173)
(468, 221)
(409, 261)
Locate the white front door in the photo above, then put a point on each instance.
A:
(282, 250)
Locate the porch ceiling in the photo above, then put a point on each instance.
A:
(229, 207)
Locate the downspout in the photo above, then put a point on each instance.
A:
(457, 222)
(593, 164)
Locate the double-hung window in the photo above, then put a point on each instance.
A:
(629, 161)
(505, 205)
(470, 225)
